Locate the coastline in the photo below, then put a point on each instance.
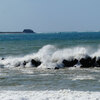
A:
(24, 31)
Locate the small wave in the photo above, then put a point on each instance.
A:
(50, 56)
(83, 78)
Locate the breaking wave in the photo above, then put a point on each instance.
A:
(49, 95)
(49, 56)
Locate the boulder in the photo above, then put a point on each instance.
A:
(56, 68)
(21, 64)
(35, 63)
(2, 58)
(87, 62)
(24, 63)
(70, 63)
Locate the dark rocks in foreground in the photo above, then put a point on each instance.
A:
(24, 63)
(98, 62)
(85, 62)
(35, 63)
(88, 62)
(70, 63)
(2, 58)
(56, 68)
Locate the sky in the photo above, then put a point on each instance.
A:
(50, 15)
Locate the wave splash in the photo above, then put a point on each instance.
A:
(50, 56)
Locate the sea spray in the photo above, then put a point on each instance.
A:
(50, 57)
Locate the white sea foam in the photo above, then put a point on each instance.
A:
(50, 56)
(88, 77)
(97, 53)
(49, 95)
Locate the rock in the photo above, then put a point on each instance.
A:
(70, 63)
(35, 63)
(56, 67)
(28, 31)
(94, 62)
(48, 68)
(24, 63)
(2, 58)
(88, 62)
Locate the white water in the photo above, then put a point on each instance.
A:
(50, 56)
(49, 95)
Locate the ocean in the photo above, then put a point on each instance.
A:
(20, 80)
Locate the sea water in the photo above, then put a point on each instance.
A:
(41, 83)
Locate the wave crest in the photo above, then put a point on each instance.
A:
(49, 56)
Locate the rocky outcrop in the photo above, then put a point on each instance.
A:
(35, 63)
(88, 62)
(28, 31)
(70, 63)
(2, 58)
(84, 62)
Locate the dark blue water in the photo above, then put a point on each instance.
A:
(20, 44)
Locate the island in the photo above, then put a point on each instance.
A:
(28, 31)
(24, 31)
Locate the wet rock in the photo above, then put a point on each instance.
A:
(94, 62)
(70, 63)
(20, 64)
(24, 63)
(98, 62)
(88, 62)
(56, 67)
(48, 68)
(35, 63)
(2, 58)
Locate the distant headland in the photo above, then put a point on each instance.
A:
(24, 31)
